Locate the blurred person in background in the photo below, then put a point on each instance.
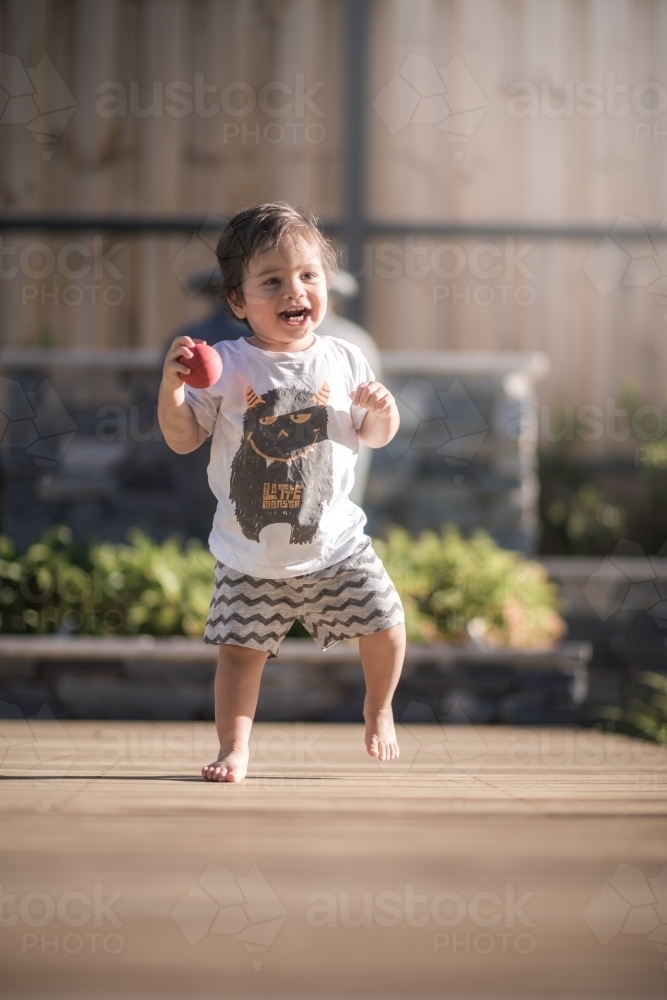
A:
(220, 324)
(343, 288)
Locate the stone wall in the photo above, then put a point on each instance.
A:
(82, 447)
(172, 679)
(465, 452)
(619, 605)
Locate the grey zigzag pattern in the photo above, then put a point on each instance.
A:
(234, 638)
(366, 567)
(358, 602)
(358, 620)
(351, 602)
(372, 569)
(277, 636)
(252, 601)
(357, 579)
(249, 581)
(272, 602)
(254, 618)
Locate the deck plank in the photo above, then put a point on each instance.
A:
(466, 810)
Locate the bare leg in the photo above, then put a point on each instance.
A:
(382, 656)
(236, 691)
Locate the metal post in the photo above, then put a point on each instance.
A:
(357, 16)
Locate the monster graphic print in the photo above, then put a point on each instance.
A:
(283, 470)
(283, 449)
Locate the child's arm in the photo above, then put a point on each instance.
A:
(382, 420)
(177, 421)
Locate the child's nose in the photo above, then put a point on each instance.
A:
(293, 288)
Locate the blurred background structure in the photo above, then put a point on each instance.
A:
(435, 135)
(489, 195)
(495, 174)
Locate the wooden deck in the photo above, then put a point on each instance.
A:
(487, 862)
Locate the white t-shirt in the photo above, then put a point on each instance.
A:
(283, 453)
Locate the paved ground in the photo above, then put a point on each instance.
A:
(487, 862)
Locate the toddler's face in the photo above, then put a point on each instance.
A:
(284, 293)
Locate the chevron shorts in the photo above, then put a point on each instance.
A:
(351, 598)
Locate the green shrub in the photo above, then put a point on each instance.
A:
(590, 498)
(105, 589)
(646, 711)
(470, 589)
(452, 588)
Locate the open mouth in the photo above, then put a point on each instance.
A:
(295, 317)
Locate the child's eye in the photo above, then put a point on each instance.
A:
(309, 276)
(272, 281)
(299, 418)
(267, 420)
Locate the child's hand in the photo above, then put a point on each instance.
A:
(173, 368)
(375, 398)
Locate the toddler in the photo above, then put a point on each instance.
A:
(287, 415)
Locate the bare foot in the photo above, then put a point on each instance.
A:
(380, 736)
(228, 767)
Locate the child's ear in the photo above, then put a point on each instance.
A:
(236, 305)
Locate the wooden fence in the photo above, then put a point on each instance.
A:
(482, 111)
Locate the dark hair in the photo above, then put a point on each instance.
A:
(263, 228)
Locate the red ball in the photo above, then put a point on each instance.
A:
(205, 367)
